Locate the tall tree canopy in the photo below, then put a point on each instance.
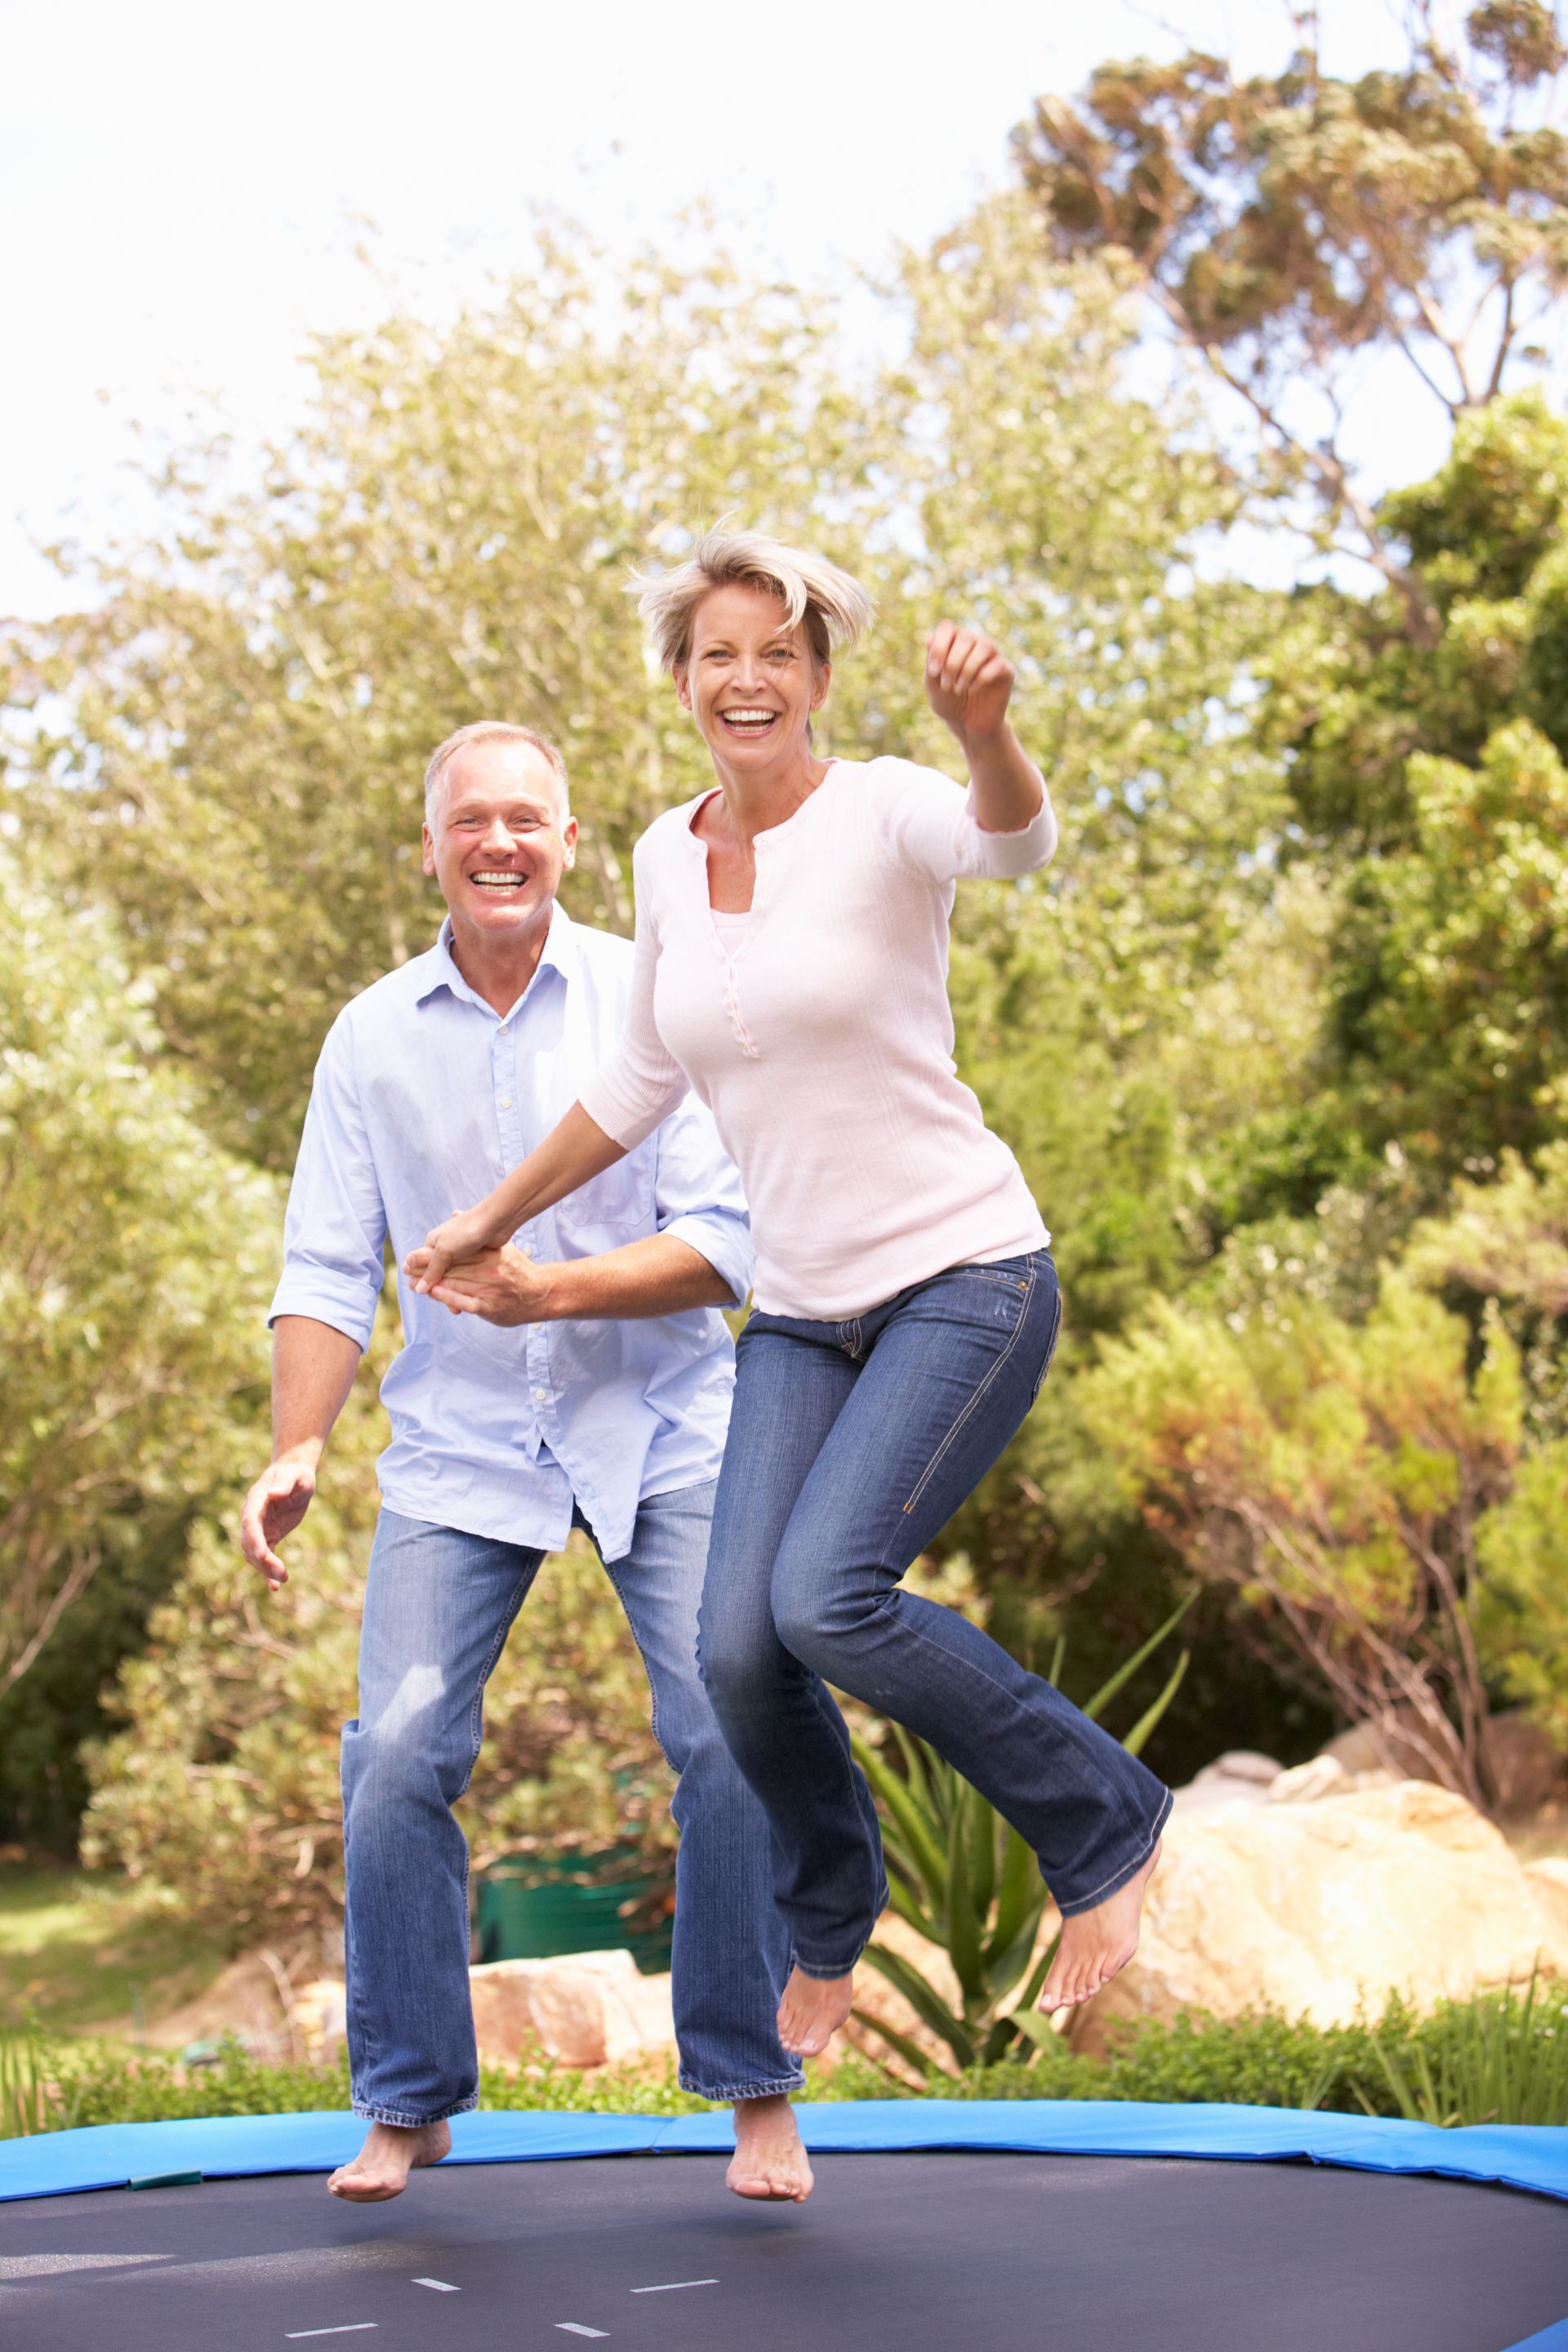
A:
(1290, 222)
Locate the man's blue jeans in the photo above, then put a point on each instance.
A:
(851, 1446)
(439, 1606)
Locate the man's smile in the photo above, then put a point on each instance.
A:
(499, 880)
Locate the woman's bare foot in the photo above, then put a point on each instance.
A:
(769, 2161)
(1096, 1944)
(812, 2011)
(390, 2153)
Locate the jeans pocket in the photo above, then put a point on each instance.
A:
(1004, 1331)
(1050, 1351)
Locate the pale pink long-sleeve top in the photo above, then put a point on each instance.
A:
(821, 1038)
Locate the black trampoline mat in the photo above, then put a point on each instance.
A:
(924, 2252)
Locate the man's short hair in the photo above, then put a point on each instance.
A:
(492, 730)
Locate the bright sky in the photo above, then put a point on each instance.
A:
(183, 186)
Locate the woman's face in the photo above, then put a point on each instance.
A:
(750, 681)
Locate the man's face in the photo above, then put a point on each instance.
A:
(498, 838)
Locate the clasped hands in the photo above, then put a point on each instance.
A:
(498, 1283)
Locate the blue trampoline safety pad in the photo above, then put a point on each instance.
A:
(114, 2155)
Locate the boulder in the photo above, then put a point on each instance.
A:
(1239, 1777)
(1520, 1763)
(1525, 1768)
(319, 2014)
(1549, 1878)
(1319, 1910)
(585, 2009)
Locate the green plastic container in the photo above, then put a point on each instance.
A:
(535, 1907)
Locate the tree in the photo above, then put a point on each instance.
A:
(249, 710)
(135, 1260)
(1351, 701)
(1450, 1005)
(1334, 1475)
(1285, 225)
(1381, 1481)
(251, 698)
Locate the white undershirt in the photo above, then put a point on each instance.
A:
(731, 928)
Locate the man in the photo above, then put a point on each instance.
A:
(580, 1374)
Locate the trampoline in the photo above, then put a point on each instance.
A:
(937, 2227)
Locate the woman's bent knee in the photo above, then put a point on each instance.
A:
(821, 1609)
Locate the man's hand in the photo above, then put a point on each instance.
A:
(467, 1234)
(968, 682)
(500, 1285)
(273, 1509)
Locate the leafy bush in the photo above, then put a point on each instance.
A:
(222, 1787)
(1501, 2057)
(964, 1879)
(134, 1259)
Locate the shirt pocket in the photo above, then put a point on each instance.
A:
(609, 1210)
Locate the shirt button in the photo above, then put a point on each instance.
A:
(506, 1102)
(542, 1396)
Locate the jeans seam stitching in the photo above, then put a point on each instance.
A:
(1079, 1902)
(1119, 1878)
(930, 1471)
(652, 1685)
(847, 1762)
(475, 1720)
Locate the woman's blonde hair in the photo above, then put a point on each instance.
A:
(835, 608)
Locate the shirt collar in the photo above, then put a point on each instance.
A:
(559, 951)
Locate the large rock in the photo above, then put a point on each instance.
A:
(1549, 1878)
(1520, 1764)
(1239, 1777)
(1321, 1909)
(585, 2009)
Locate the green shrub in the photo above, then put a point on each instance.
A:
(964, 1879)
(1501, 2057)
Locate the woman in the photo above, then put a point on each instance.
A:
(790, 966)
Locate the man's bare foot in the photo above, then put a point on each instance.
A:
(769, 2161)
(1096, 1944)
(390, 2153)
(812, 2011)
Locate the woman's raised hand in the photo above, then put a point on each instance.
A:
(968, 680)
(462, 1235)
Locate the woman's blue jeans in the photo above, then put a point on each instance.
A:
(439, 1606)
(851, 1446)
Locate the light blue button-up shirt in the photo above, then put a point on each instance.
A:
(424, 1097)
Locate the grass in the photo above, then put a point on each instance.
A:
(86, 1954)
(1500, 2058)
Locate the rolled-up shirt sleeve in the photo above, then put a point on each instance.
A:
(698, 1196)
(643, 1083)
(336, 1230)
(935, 829)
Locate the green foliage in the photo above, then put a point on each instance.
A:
(28, 2103)
(1451, 1011)
(222, 1785)
(965, 1880)
(1285, 224)
(83, 1954)
(135, 1255)
(1502, 2059)
(1331, 1470)
(1495, 2058)
(1351, 698)
(249, 703)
